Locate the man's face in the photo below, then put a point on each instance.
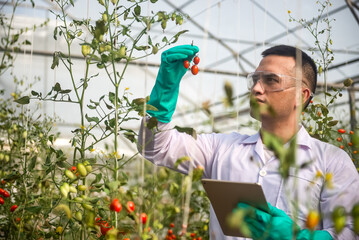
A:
(268, 105)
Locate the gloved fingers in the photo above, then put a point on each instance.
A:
(255, 213)
(182, 48)
(262, 216)
(276, 212)
(257, 228)
(171, 58)
(179, 53)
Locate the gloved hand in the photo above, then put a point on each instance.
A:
(165, 92)
(277, 225)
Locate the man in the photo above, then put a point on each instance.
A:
(283, 82)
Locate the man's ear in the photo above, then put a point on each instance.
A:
(305, 95)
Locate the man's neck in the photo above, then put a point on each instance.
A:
(283, 129)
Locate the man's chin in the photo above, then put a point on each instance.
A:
(262, 111)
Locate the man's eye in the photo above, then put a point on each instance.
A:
(271, 80)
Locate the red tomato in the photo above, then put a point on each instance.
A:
(194, 69)
(116, 205)
(126, 239)
(341, 130)
(339, 139)
(13, 208)
(6, 194)
(172, 225)
(170, 232)
(143, 218)
(2, 201)
(186, 64)
(196, 60)
(193, 235)
(105, 229)
(350, 144)
(73, 169)
(351, 132)
(199, 238)
(2, 191)
(130, 206)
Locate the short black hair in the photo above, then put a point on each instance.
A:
(308, 65)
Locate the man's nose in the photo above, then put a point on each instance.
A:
(258, 88)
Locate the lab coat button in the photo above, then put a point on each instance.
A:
(262, 172)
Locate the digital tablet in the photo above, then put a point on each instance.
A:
(225, 195)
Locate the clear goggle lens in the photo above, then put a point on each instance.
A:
(270, 82)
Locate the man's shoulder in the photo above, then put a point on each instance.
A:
(234, 138)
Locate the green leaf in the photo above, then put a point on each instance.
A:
(33, 93)
(137, 10)
(57, 87)
(142, 48)
(65, 91)
(91, 107)
(181, 160)
(55, 33)
(55, 60)
(332, 123)
(176, 36)
(97, 179)
(165, 40)
(189, 131)
(152, 123)
(130, 136)
(23, 100)
(14, 38)
(32, 163)
(34, 209)
(92, 119)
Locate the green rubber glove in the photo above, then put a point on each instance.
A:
(164, 94)
(277, 225)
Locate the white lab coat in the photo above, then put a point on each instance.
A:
(236, 157)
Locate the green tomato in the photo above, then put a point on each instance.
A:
(69, 174)
(87, 206)
(122, 51)
(86, 50)
(78, 199)
(355, 215)
(82, 187)
(64, 192)
(73, 189)
(66, 186)
(339, 218)
(82, 169)
(104, 17)
(78, 216)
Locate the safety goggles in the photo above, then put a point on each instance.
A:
(271, 82)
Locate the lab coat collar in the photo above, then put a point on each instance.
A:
(303, 138)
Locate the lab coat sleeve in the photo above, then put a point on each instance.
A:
(166, 145)
(344, 192)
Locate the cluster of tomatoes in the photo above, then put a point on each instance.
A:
(340, 139)
(116, 206)
(170, 235)
(6, 194)
(194, 68)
